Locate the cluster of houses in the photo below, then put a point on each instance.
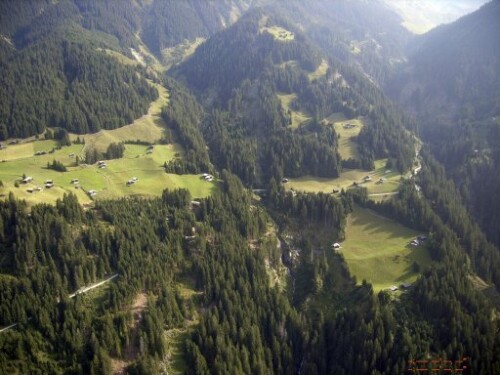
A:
(418, 241)
(48, 184)
(92, 193)
(208, 177)
(101, 164)
(132, 181)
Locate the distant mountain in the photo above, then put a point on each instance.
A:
(423, 15)
(367, 34)
(168, 23)
(247, 71)
(455, 67)
(452, 84)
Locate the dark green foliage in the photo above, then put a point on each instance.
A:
(241, 71)
(92, 156)
(247, 55)
(183, 115)
(115, 151)
(55, 77)
(60, 135)
(56, 165)
(168, 23)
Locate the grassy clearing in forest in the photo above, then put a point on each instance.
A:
(319, 72)
(279, 33)
(110, 182)
(148, 128)
(298, 117)
(377, 249)
(389, 184)
(348, 130)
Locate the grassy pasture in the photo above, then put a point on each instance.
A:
(148, 128)
(121, 58)
(319, 72)
(22, 150)
(348, 148)
(175, 55)
(298, 117)
(377, 249)
(110, 182)
(346, 180)
(279, 33)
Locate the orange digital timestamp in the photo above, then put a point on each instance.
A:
(439, 366)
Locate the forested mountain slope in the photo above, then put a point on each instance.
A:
(366, 34)
(235, 280)
(452, 70)
(451, 83)
(57, 72)
(245, 69)
(55, 75)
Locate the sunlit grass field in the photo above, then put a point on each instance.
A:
(377, 249)
(348, 177)
(298, 117)
(110, 182)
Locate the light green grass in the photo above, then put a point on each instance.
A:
(298, 117)
(319, 72)
(179, 53)
(279, 33)
(45, 145)
(176, 338)
(121, 58)
(346, 180)
(148, 128)
(377, 249)
(110, 182)
(26, 149)
(348, 148)
(22, 150)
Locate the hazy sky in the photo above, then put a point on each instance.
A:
(422, 15)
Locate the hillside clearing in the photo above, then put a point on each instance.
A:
(109, 182)
(298, 117)
(348, 130)
(278, 33)
(176, 337)
(382, 181)
(121, 58)
(377, 249)
(176, 55)
(148, 128)
(319, 72)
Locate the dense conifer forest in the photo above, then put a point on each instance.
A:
(252, 277)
